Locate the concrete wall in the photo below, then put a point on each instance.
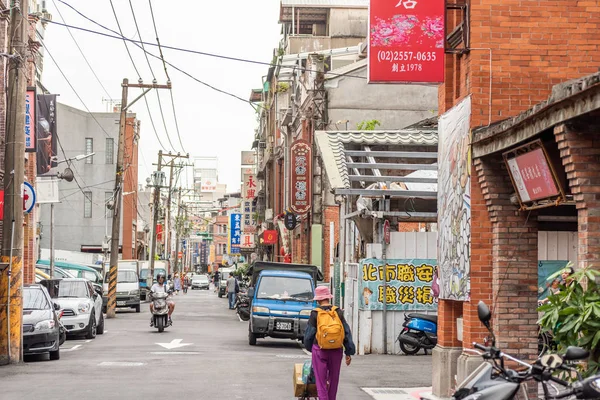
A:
(71, 229)
(395, 106)
(348, 22)
(308, 43)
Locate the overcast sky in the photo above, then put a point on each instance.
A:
(210, 123)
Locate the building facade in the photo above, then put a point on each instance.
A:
(82, 220)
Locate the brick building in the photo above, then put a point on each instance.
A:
(509, 59)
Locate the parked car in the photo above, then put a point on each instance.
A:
(59, 273)
(77, 270)
(128, 290)
(41, 325)
(200, 282)
(81, 305)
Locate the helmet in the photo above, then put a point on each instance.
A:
(160, 275)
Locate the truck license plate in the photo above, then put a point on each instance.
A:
(283, 326)
(121, 303)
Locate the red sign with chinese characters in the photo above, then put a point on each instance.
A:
(268, 237)
(159, 233)
(301, 176)
(532, 176)
(406, 41)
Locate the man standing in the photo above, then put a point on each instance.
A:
(231, 286)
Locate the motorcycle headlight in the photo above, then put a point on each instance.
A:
(306, 312)
(595, 384)
(260, 310)
(45, 325)
(83, 308)
(134, 293)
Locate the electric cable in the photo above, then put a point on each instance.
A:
(198, 52)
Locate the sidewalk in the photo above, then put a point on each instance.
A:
(391, 377)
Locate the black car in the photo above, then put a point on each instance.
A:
(41, 325)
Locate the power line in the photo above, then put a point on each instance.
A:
(162, 57)
(81, 51)
(136, 70)
(198, 52)
(72, 88)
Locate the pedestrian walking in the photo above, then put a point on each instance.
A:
(177, 283)
(328, 337)
(232, 285)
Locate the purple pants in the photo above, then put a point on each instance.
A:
(327, 365)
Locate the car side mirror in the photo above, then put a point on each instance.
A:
(484, 314)
(576, 353)
(251, 292)
(56, 306)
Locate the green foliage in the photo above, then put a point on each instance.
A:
(368, 125)
(241, 270)
(573, 315)
(282, 87)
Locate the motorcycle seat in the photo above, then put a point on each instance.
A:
(426, 317)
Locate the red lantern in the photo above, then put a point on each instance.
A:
(282, 251)
(287, 259)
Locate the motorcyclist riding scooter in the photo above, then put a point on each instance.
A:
(161, 287)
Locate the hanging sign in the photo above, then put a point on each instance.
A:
(249, 192)
(28, 197)
(301, 177)
(407, 40)
(268, 237)
(386, 232)
(235, 232)
(30, 120)
(247, 241)
(290, 221)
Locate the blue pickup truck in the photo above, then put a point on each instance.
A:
(282, 299)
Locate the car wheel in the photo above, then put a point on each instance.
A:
(55, 355)
(137, 308)
(100, 328)
(251, 339)
(91, 333)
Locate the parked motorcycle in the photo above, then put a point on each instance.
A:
(492, 380)
(420, 332)
(242, 306)
(160, 313)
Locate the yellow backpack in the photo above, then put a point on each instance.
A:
(330, 330)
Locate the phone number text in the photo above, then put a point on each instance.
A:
(388, 55)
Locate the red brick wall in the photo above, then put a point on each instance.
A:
(448, 311)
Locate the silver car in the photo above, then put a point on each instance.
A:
(200, 282)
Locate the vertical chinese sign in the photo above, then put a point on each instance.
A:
(235, 233)
(249, 193)
(30, 120)
(46, 135)
(301, 177)
(407, 40)
(409, 284)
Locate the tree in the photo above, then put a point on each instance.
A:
(573, 315)
(368, 125)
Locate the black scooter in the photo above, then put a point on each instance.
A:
(242, 306)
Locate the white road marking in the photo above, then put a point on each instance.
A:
(174, 352)
(120, 364)
(72, 348)
(303, 349)
(291, 355)
(396, 393)
(175, 343)
(89, 340)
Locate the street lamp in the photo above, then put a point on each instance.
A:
(68, 176)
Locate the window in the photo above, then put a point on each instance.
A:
(87, 204)
(89, 149)
(110, 150)
(108, 197)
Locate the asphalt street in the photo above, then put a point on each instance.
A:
(205, 354)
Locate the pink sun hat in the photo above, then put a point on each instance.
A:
(322, 293)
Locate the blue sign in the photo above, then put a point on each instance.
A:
(235, 232)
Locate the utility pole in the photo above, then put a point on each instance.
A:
(118, 191)
(161, 163)
(178, 232)
(167, 229)
(156, 203)
(11, 277)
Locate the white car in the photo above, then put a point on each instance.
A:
(80, 303)
(200, 282)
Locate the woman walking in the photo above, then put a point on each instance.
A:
(328, 337)
(177, 283)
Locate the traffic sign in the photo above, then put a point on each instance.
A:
(28, 197)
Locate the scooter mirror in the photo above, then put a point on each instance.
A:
(551, 361)
(576, 353)
(484, 313)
